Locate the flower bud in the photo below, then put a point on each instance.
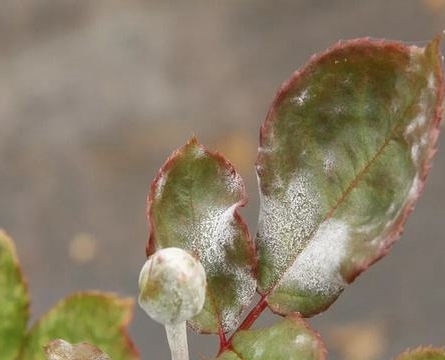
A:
(172, 286)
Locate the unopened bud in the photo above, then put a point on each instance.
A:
(172, 286)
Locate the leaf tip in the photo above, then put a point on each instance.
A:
(423, 353)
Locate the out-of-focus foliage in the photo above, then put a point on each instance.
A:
(63, 350)
(97, 318)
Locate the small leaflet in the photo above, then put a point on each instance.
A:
(289, 339)
(193, 204)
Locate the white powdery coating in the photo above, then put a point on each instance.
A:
(234, 182)
(302, 339)
(198, 152)
(286, 223)
(63, 350)
(316, 269)
(258, 349)
(416, 132)
(432, 82)
(180, 281)
(301, 98)
(211, 234)
(415, 64)
(59, 349)
(160, 185)
(329, 161)
(231, 315)
(414, 190)
(211, 237)
(418, 122)
(215, 229)
(413, 193)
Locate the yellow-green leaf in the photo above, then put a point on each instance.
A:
(14, 301)
(289, 339)
(96, 318)
(423, 353)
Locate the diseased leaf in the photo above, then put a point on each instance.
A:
(344, 153)
(193, 204)
(96, 318)
(423, 353)
(289, 339)
(14, 301)
(62, 350)
(228, 355)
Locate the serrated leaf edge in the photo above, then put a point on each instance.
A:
(13, 250)
(126, 303)
(151, 243)
(298, 318)
(300, 321)
(397, 227)
(429, 348)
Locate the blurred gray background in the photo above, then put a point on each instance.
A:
(94, 95)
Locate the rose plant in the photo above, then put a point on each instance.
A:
(344, 153)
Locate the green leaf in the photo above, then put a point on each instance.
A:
(14, 301)
(63, 350)
(193, 204)
(423, 353)
(344, 153)
(289, 339)
(96, 318)
(228, 355)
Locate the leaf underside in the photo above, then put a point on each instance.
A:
(344, 153)
(193, 204)
(14, 301)
(423, 353)
(96, 318)
(289, 339)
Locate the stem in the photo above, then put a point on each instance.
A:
(247, 323)
(177, 340)
(253, 315)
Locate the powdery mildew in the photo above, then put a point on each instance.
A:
(210, 238)
(259, 350)
(329, 162)
(183, 280)
(212, 230)
(316, 269)
(415, 132)
(160, 185)
(285, 223)
(302, 340)
(301, 98)
(231, 315)
(413, 193)
(234, 182)
(415, 189)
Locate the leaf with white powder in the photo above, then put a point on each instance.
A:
(423, 353)
(62, 350)
(289, 339)
(344, 153)
(193, 204)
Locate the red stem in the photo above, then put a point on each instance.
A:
(253, 315)
(223, 343)
(246, 324)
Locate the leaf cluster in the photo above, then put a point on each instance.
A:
(344, 153)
